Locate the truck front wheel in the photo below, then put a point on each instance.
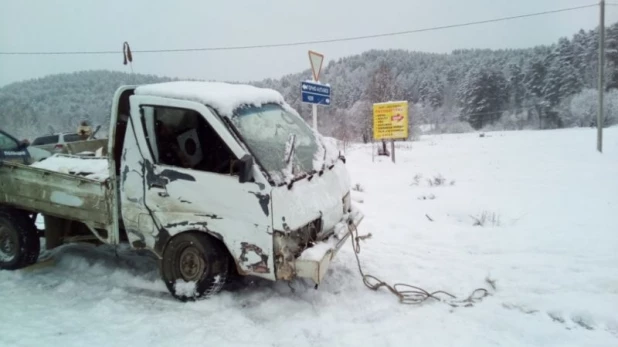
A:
(194, 266)
(19, 240)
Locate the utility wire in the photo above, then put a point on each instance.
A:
(301, 43)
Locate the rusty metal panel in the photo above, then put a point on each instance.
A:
(56, 194)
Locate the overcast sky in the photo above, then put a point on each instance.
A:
(84, 25)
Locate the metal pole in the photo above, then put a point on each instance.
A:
(393, 149)
(601, 73)
(314, 109)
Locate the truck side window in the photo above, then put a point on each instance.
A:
(183, 138)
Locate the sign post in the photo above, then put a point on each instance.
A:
(390, 122)
(316, 59)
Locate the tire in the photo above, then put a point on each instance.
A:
(19, 240)
(195, 266)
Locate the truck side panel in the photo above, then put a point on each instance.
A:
(56, 194)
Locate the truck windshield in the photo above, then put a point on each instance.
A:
(266, 130)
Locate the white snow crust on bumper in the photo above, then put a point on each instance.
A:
(314, 262)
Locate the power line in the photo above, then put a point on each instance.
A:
(312, 42)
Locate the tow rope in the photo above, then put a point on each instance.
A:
(413, 295)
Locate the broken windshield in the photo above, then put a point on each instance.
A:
(267, 129)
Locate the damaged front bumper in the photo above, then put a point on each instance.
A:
(314, 262)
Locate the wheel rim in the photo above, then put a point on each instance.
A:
(8, 243)
(192, 264)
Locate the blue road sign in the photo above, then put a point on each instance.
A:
(315, 93)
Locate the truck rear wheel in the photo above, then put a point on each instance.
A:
(19, 240)
(194, 266)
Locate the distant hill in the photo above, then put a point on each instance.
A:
(58, 102)
(540, 87)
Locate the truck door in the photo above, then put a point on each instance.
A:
(188, 170)
(12, 150)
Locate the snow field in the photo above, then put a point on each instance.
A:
(552, 256)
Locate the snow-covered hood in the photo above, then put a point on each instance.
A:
(224, 97)
(308, 200)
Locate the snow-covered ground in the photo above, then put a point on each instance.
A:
(549, 241)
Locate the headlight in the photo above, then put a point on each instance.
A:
(347, 203)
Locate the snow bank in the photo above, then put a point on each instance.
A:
(90, 167)
(224, 97)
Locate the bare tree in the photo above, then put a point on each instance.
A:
(360, 115)
(382, 88)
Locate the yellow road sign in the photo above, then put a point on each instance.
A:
(390, 120)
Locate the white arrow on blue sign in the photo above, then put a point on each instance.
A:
(315, 93)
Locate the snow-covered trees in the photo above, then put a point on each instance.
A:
(382, 86)
(482, 97)
(581, 110)
(431, 92)
(562, 81)
(58, 103)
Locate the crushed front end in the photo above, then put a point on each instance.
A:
(308, 251)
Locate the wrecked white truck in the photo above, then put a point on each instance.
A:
(217, 180)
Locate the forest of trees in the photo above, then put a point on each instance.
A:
(537, 88)
(57, 103)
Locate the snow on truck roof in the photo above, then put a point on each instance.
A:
(224, 97)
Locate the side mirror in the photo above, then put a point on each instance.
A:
(245, 168)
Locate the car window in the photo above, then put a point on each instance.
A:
(71, 138)
(45, 140)
(7, 143)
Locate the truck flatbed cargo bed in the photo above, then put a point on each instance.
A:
(56, 194)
